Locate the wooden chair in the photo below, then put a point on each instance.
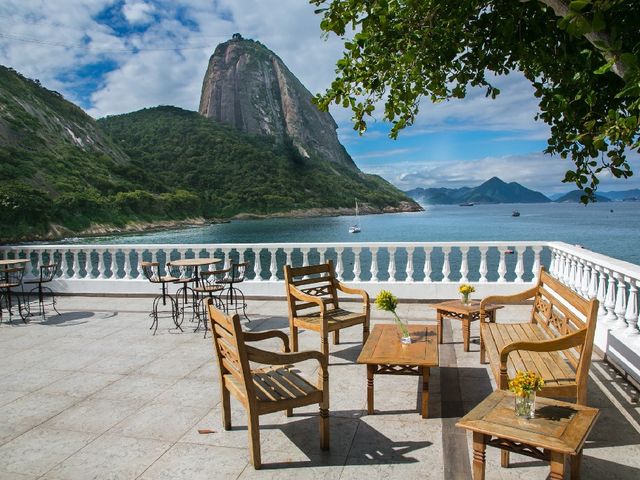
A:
(264, 390)
(312, 294)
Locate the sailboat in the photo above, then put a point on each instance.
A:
(355, 228)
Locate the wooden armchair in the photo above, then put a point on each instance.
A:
(312, 295)
(264, 390)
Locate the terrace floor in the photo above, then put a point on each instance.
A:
(92, 394)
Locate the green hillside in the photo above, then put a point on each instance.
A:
(63, 172)
(231, 172)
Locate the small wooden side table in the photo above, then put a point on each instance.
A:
(467, 313)
(384, 354)
(558, 430)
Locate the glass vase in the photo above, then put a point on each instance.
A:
(465, 299)
(403, 330)
(525, 406)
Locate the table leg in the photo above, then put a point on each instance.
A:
(557, 466)
(425, 392)
(576, 463)
(370, 370)
(439, 317)
(466, 332)
(479, 447)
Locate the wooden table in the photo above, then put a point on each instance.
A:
(558, 430)
(467, 313)
(14, 261)
(384, 354)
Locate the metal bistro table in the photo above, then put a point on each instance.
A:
(195, 263)
(11, 267)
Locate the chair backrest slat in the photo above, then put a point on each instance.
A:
(317, 280)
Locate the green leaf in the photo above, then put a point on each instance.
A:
(579, 5)
(604, 68)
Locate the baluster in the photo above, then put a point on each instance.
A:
(226, 257)
(140, 260)
(592, 292)
(502, 265)
(621, 303)
(566, 267)
(519, 270)
(374, 263)
(161, 266)
(464, 265)
(64, 264)
(553, 264)
(535, 269)
(610, 301)
(602, 292)
(483, 264)
(427, 264)
(305, 258)
(288, 251)
(586, 277)
(356, 264)
(446, 268)
(95, 272)
(257, 268)
(322, 252)
(631, 315)
(77, 266)
(339, 269)
(392, 264)
(274, 265)
(409, 268)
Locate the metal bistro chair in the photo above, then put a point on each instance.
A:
(47, 273)
(151, 270)
(10, 278)
(234, 298)
(209, 285)
(185, 295)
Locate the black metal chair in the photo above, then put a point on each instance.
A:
(185, 295)
(234, 298)
(210, 287)
(151, 270)
(47, 273)
(10, 278)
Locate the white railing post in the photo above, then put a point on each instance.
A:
(257, 267)
(621, 303)
(631, 315)
(409, 269)
(592, 291)
(602, 292)
(502, 265)
(446, 267)
(483, 270)
(64, 264)
(322, 251)
(610, 299)
(127, 263)
(553, 264)
(392, 264)
(374, 263)
(535, 268)
(356, 264)
(464, 266)
(273, 268)
(427, 264)
(519, 270)
(339, 268)
(586, 277)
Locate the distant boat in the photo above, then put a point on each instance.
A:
(467, 204)
(355, 228)
(515, 213)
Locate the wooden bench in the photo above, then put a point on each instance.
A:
(312, 296)
(556, 343)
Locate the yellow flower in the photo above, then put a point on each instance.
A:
(466, 289)
(386, 301)
(525, 382)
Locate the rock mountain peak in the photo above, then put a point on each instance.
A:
(249, 87)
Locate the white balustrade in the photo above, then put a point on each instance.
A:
(464, 265)
(356, 264)
(631, 314)
(519, 270)
(392, 264)
(427, 264)
(446, 268)
(374, 263)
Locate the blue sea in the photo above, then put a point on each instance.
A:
(609, 228)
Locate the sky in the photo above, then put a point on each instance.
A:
(118, 56)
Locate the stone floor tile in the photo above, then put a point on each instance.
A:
(8, 396)
(162, 421)
(32, 379)
(40, 449)
(194, 462)
(15, 476)
(110, 457)
(190, 392)
(35, 408)
(136, 388)
(81, 384)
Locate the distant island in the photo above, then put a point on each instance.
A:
(496, 190)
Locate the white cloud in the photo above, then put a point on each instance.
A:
(138, 12)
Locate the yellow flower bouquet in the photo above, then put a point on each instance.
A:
(465, 289)
(525, 385)
(388, 302)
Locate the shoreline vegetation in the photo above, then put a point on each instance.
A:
(58, 232)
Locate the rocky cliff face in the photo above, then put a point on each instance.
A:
(249, 87)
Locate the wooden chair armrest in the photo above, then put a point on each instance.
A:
(272, 358)
(303, 297)
(352, 291)
(506, 300)
(257, 336)
(560, 343)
